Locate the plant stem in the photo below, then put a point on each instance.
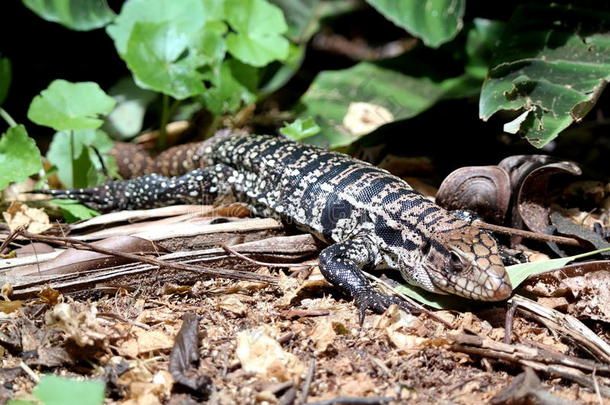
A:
(165, 115)
(9, 120)
(72, 158)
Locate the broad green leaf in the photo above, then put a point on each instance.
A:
(277, 74)
(210, 43)
(53, 390)
(302, 18)
(70, 152)
(233, 85)
(74, 211)
(80, 15)
(482, 38)
(21, 402)
(65, 105)
(551, 65)
(258, 26)
(185, 16)
(125, 121)
(159, 56)
(300, 129)
(5, 77)
(19, 156)
(519, 272)
(434, 21)
(338, 101)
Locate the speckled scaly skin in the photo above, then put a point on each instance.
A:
(370, 218)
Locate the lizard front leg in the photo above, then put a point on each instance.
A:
(342, 263)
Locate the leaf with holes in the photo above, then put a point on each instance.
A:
(550, 67)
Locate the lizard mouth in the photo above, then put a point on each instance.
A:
(474, 283)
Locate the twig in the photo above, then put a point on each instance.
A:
(29, 371)
(562, 240)
(508, 323)
(207, 271)
(11, 236)
(235, 253)
(311, 369)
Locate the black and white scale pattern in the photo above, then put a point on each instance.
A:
(370, 218)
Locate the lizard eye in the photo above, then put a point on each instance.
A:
(455, 262)
(425, 249)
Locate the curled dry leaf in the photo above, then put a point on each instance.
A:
(586, 285)
(142, 341)
(529, 177)
(79, 322)
(20, 216)
(482, 189)
(401, 328)
(567, 227)
(261, 354)
(184, 358)
(362, 118)
(515, 191)
(323, 335)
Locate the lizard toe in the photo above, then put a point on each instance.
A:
(376, 302)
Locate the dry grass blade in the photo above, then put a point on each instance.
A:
(210, 272)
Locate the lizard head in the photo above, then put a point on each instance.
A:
(465, 261)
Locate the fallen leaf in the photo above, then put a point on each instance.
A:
(10, 306)
(400, 327)
(144, 341)
(362, 118)
(20, 216)
(323, 335)
(260, 354)
(184, 358)
(79, 322)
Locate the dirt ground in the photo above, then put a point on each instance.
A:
(296, 342)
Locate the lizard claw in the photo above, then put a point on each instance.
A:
(376, 302)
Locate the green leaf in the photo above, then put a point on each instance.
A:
(211, 44)
(301, 17)
(482, 37)
(125, 121)
(434, 21)
(300, 129)
(519, 272)
(5, 77)
(159, 56)
(71, 153)
(258, 25)
(19, 156)
(53, 390)
(185, 16)
(277, 74)
(334, 96)
(233, 85)
(21, 402)
(65, 105)
(550, 66)
(81, 15)
(74, 211)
